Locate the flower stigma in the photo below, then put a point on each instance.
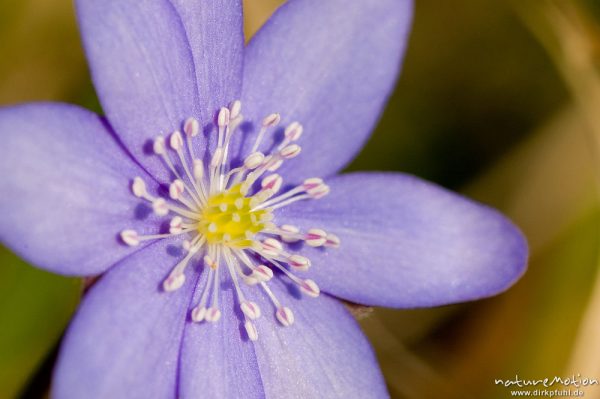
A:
(226, 214)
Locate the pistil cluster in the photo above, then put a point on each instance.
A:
(227, 216)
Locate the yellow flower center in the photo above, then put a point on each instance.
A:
(228, 219)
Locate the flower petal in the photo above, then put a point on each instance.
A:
(216, 36)
(408, 243)
(322, 355)
(65, 185)
(329, 65)
(143, 70)
(124, 341)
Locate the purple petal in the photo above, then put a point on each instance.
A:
(408, 243)
(124, 341)
(143, 66)
(329, 65)
(233, 371)
(216, 37)
(322, 355)
(66, 188)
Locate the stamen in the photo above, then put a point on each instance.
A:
(223, 120)
(313, 187)
(132, 238)
(289, 233)
(173, 282)
(269, 121)
(291, 151)
(176, 225)
(176, 141)
(160, 207)
(293, 131)
(159, 146)
(254, 160)
(292, 200)
(285, 316)
(176, 278)
(316, 237)
(214, 314)
(191, 127)
(272, 183)
(309, 287)
(250, 309)
(262, 273)
(139, 187)
(332, 241)
(160, 149)
(251, 330)
(235, 109)
(199, 312)
(176, 189)
(273, 164)
(177, 144)
(298, 262)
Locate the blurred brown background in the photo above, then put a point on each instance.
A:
(498, 99)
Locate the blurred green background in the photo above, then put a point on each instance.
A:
(498, 99)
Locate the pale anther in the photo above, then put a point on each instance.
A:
(250, 309)
(235, 109)
(251, 331)
(210, 262)
(274, 164)
(223, 118)
(176, 189)
(262, 273)
(272, 244)
(138, 187)
(176, 141)
(289, 233)
(285, 316)
(160, 207)
(315, 237)
(198, 313)
(254, 160)
(217, 158)
(176, 226)
(130, 237)
(290, 151)
(191, 127)
(198, 169)
(318, 192)
(310, 288)
(293, 131)
(298, 262)
(271, 120)
(313, 182)
(332, 241)
(213, 314)
(159, 146)
(173, 282)
(272, 182)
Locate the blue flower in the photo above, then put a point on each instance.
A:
(193, 200)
